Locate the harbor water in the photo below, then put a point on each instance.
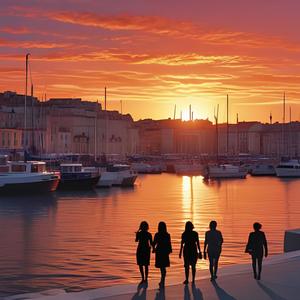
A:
(78, 240)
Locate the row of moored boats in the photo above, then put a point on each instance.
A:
(290, 168)
(32, 176)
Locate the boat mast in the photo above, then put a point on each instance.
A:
(25, 100)
(227, 128)
(216, 116)
(32, 118)
(95, 131)
(105, 121)
(237, 134)
(174, 117)
(283, 125)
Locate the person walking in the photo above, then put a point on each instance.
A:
(162, 248)
(257, 247)
(213, 244)
(144, 239)
(191, 250)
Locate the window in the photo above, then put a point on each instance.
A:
(18, 168)
(15, 138)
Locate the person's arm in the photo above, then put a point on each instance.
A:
(181, 247)
(221, 239)
(150, 240)
(265, 245)
(205, 245)
(137, 236)
(198, 246)
(170, 244)
(154, 243)
(249, 244)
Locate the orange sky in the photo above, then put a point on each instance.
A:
(155, 54)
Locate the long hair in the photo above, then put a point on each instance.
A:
(144, 226)
(189, 226)
(162, 227)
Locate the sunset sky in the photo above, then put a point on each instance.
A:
(154, 54)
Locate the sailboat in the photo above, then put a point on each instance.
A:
(225, 170)
(26, 176)
(291, 167)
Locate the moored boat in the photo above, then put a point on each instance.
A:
(262, 170)
(144, 168)
(117, 175)
(290, 168)
(19, 177)
(226, 171)
(74, 176)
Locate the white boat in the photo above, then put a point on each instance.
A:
(226, 171)
(262, 170)
(144, 168)
(290, 168)
(117, 175)
(27, 177)
(189, 169)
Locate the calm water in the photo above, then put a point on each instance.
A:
(82, 240)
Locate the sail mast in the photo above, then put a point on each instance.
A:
(25, 100)
(227, 128)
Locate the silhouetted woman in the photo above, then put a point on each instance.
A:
(162, 248)
(191, 250)
(213, 243)
(144, 238)
(257, 246)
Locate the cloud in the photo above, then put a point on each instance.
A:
(15, 30)
(32, 44)
(263, 103)
(160, 26)
(114, 55)
(189, 59)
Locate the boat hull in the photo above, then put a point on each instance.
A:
(78, 183)
(44, 186)
(292, 173)
(219, 172)
(128, 181)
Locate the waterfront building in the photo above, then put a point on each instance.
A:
(68, 125)
(175, 137)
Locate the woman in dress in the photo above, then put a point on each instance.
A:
(213, 244)
(257, 246)
(162, 248)
(144, 239)
(191, 250)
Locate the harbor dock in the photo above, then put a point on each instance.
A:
(280, 280)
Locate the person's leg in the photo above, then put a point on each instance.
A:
(211, 264)
(254, 266)
(194, 272)
(216, 262)
(259, 262)
(187, 273)
(146, 272)
(142, 272)
(163, 272)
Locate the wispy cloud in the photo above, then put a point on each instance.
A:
(158, 25)
(32, 44)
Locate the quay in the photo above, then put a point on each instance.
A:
(280, 280)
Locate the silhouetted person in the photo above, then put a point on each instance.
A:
(144, 238)
(213, 242)
(257, 246)
(162, 248)
(191, 250)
